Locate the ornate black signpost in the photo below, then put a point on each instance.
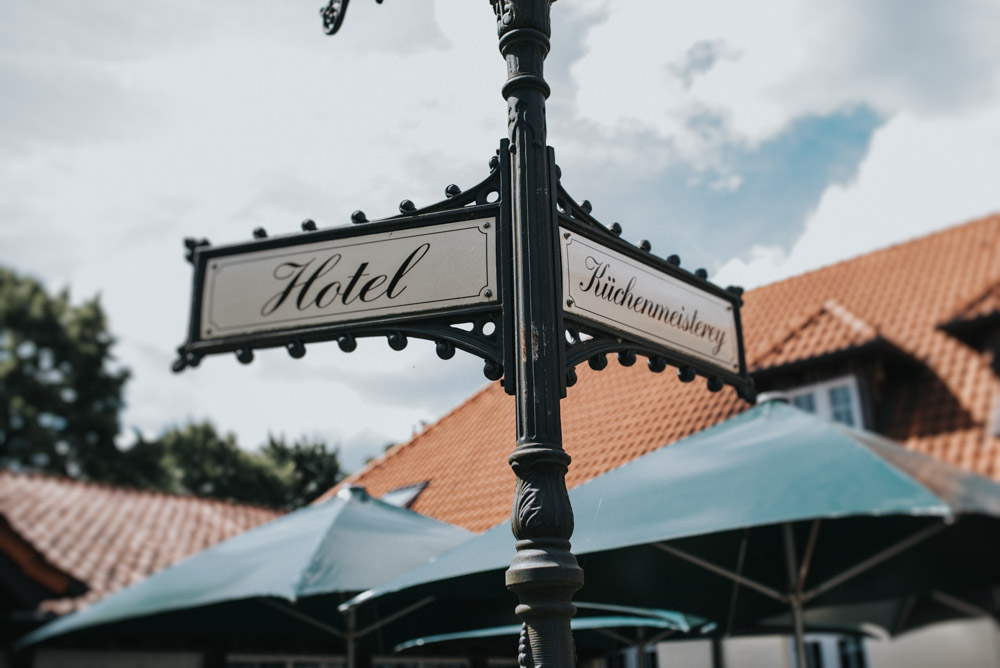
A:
(513, 270)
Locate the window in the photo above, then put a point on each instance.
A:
(852, 653)
(835, 400)
(421, 662)
(404, 496)
(831, 651)
(282, 661)
(814, 654)
(633, 657)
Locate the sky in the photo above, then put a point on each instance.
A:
(755, 140)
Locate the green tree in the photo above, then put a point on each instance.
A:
(312, 466)
(60, 400)
(196, 459)
(60, 395)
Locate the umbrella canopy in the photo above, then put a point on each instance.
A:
(348, 544)
(771, 510)
(593, 635)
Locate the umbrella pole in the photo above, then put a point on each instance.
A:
(351, 653)
(718, 660)
(796, 600)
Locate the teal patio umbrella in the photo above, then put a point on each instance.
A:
(612, 627)
(773, 512)
(282, 580)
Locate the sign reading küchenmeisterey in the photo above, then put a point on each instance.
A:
(610, 288)
(363, 277)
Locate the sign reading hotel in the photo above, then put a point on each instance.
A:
(609, 288)
(296, 283)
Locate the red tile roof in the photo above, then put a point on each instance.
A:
(831, 328)
(899, 294)
(983, 305)
(109, 537)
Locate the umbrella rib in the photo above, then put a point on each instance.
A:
(617, 637)
(959, 605)
(736, 585)
(301, 616)
(807, 559)
(874, 560)
(661, 636)
(675, 618)
(724, 572)
(393, 617)
(904, 614)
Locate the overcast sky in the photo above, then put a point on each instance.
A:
(758, 140)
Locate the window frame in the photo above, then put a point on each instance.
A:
(288, 659)
(820, 392)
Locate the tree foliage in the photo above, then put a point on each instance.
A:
(311, 466)
(196, 459)
(60, 400)
(60, 395)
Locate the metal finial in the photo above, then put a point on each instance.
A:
(626, 357)
(598, 362)
(492, 370)
(445, 350)
(397, 340)
(296, 349)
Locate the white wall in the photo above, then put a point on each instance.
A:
(965, 644)
(753, 652)
(82, 659)
(756, 652)
(684, 654)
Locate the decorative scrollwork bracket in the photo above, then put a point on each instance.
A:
(333, 15)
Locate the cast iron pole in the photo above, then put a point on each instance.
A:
(544, 573)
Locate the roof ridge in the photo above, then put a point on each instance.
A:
(799, 323)
(850, 318)
(992, 217)
(115, 487)
(992, 290)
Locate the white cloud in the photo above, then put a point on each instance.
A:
(243, 114)
(768, 68)
(921, 174)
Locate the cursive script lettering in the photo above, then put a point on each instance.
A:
(301, 284)
(603, 285)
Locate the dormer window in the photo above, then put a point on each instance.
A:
(404, 496)
(835, 399)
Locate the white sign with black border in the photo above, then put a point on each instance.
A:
(370, 276)
(609, 288)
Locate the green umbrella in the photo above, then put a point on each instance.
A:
(635, 627)
(274, 580)
(773, 511)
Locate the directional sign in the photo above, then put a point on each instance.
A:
(356, 274)
(646, 303)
